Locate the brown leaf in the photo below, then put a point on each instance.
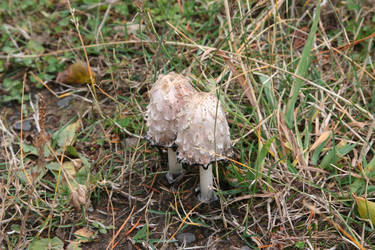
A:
(78, 196)
(324, 136)
(77, 73)
(84, 234)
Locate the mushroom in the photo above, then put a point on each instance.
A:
(203, 137)
(167, 97)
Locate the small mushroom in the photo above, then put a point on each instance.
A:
(203, 137)
(167, 97)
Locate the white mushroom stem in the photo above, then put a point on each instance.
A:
(175, 168)
(206, 184)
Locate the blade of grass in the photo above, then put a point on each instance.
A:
(302, 67)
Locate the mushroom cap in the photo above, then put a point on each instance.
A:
(201, 126)
(167, 97)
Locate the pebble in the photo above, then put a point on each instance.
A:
(186, 237)
(245, 248)
(26, 125)
(65, 102)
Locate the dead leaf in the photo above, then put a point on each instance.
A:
(357, 124)
(320, 140)
(78, 195)
(77, 73)
(84, 235)
(366, 209)
(74, 245)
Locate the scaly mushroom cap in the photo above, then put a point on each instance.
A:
(197, 135)
(167, 97)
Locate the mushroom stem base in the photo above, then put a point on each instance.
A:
(175, 168)
(206, 185)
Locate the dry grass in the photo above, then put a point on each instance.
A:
(296, 166)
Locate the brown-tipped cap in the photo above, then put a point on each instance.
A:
(197, 132)
(167, 97)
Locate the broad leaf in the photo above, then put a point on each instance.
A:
(66, 136)
(77, 73)
(366, 209)
(47, 244)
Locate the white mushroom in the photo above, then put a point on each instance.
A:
(167, 97)
(203, 137)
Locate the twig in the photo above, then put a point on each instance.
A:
(110, 245)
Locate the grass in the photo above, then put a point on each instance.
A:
(298, 89)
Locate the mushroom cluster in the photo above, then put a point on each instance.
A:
(194, 121)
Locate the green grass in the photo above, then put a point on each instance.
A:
(300, 106)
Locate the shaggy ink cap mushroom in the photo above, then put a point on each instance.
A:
(167, 97)
(203, 137)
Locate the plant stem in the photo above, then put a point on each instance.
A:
(175, 168)
(206, 184)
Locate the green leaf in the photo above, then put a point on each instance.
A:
(82, 175)
(317, 151)
(141, 234)
(303, 66)
(357, 186)
(268, 89)
(336, 154)
(66, 136)
(70, 150)
(29, 149)
(47, 244)
(35, 169)
(35, 47)
(262, 153)
(53, 166)
(369, 170)
(300, 245)
(1, 66)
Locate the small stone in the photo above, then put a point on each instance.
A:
(26, 125)
(245, 248)
(186, 237)
(65, 102)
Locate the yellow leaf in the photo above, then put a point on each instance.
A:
(69, 169)
(77, 73)
(366, 209)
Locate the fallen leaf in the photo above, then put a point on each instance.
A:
(366, 209)
(78, 195)
(84, 235)
(77, 73)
